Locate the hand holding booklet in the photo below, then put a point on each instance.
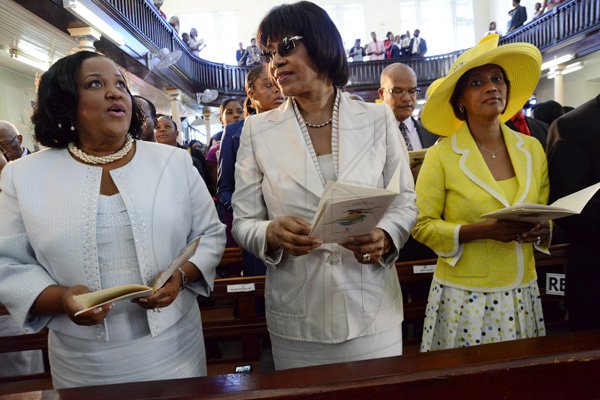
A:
(536, 213)
(119, 293)
(350, 210)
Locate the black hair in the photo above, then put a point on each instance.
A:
(150, 105)
(319, 35)
(548, 111)
(459, 89)
(57, 98)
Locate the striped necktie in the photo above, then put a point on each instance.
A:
(404, 132)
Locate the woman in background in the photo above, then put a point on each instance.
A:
(484, 287)
(100, 209)
(263, 95)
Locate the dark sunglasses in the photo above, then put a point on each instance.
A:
(285, 47)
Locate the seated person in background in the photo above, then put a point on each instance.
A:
(484, 288)
(264, 96)
(148, 110)
(573, 164)
(167, 133)
(100, 209)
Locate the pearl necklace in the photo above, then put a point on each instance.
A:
(319, 125)
(90, 159)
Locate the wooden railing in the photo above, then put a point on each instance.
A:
(571, 19)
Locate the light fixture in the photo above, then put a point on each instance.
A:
(89, 17)
(19, 56)
(555, 71)
(557, 61)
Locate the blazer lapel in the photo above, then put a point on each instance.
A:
(287, 147)
(355, 137)
(471, 162)
(522, 162)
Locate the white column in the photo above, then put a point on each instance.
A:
(559, 92)
(86, 37)
(174, 97)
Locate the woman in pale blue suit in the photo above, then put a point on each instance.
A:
(328, 302)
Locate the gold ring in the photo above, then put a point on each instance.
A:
(366, 258)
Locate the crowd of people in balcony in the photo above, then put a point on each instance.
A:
(103, 206)
(393, 47)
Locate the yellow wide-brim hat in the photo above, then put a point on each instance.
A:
(521, 62)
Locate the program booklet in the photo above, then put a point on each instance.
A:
(536, 213)
(349, 210)
(415, 158)
(119, 293)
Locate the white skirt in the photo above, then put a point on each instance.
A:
(176, 353)
(294, 354)
(460, 318)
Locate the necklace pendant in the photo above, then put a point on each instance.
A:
(493, 156)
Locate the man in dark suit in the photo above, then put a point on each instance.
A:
(399, 91)
(518, 15)
(573, 164)
(418, 45)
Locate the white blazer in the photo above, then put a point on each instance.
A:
(48, 207)
(324, 296)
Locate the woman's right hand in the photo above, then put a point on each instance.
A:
(290, 234)
(495, 229)
(70, 306)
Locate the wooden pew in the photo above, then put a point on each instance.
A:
(232, 315)
(552, 367)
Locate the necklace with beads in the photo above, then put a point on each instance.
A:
(100, 160)
(319, 125)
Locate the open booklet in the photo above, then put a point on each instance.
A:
(350, 210)
(536, 213)
(119, 293)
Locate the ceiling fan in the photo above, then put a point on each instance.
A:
(167, 58)
(209, 95)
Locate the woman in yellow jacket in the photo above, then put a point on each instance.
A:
(484, 288)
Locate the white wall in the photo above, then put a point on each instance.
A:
(18, 91)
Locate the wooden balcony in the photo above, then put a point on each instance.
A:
(571, 27)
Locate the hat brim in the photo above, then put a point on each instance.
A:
(521, 63)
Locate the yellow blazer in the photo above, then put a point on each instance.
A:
(455, 187)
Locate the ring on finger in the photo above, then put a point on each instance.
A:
(538, 240)
(366, 257)
(156, 309)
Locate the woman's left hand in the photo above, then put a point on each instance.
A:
(163, 296)
(369, 248)
(537, 235)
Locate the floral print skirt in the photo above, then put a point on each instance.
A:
(459, 318)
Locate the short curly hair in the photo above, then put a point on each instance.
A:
(57, 98)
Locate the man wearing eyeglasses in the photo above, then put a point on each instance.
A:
(11, 142)
(399, 91)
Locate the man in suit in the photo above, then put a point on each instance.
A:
(573, 164)
(418, 45)
(518, 15)
(11, 142)
(398, 89)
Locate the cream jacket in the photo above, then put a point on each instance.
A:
(326, 295)
(48, 206)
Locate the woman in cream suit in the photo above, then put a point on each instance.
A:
(331, 302)
(484, 287)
